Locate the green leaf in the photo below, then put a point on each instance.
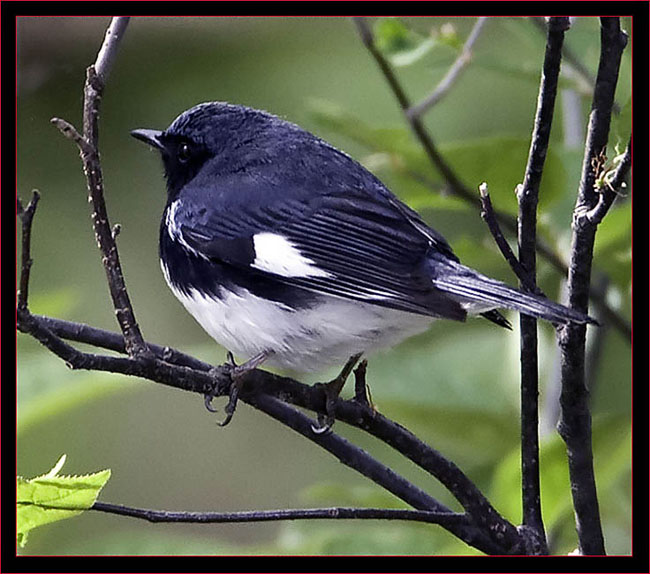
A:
(402, 45)
(50, 497)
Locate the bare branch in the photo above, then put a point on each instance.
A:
(88, 143)
(575, 418)
(527, 197)
(108, 51)
(26, 216)
(586, 77)
(452, 75)
(489, 216)
(69, 131)
(448, 519)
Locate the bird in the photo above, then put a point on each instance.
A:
(289, 252)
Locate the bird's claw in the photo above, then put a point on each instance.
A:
(332, 391)
(207, 401)
(325, 424)
(236, 373)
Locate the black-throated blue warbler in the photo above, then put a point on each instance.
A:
(287, 250)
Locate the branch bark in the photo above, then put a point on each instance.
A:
(446, 519)
(88, 143)
(527, 196)
(575, 417)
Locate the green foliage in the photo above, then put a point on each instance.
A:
(52, 497)
(456, 386)
(612, 463)
(402, 45)
(498, 160)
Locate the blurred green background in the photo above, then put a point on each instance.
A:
(455, 386)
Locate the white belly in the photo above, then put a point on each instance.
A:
(305, 340)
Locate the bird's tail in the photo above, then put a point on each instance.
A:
(479, 294)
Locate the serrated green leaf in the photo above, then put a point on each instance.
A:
(50, 498)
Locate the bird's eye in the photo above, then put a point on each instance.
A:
(184, 153)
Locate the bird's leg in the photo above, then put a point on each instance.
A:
(361, 389)
(237, 374)
(332, 392)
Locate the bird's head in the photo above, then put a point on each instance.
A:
(216, 136)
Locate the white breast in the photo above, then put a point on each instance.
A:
(305, 340)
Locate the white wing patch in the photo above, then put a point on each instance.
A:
(277, 255)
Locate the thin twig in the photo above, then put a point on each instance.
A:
(336, 513)
(527, 197)
(455, 184)
(587, 78)
(26, 215)
(81, 333)
(108, 51)
(452, 75)
(575, 417)
(488, 215)
(88, 143)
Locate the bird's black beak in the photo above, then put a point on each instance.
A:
(151, 137)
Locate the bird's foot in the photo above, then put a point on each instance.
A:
(237, 375)
(332, 391)
(362, 395)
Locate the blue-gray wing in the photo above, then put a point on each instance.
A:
(353, 245)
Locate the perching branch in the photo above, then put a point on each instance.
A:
(259, 391)
(575, 417)
(456, 186)
(481, 526)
